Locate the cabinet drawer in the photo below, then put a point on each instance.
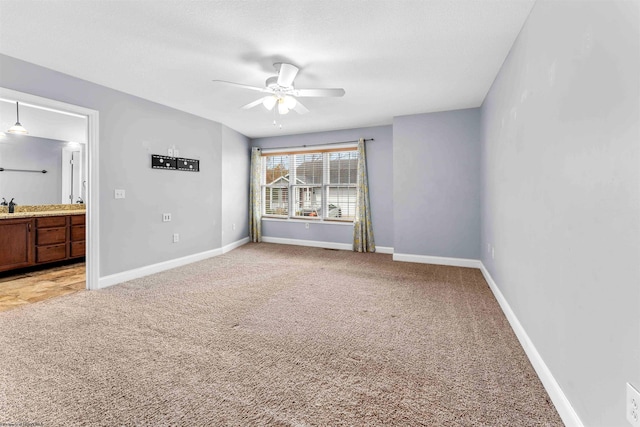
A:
(77, 233)
(51, 221)
(50, 236)
(51, 253)
(77, 249)
(77, 219)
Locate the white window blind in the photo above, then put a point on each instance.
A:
(311, 185)
(275, 188)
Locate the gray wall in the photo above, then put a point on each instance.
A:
(28, 152)
(379, 168)
(436, 184)
(236, 158)
(561, 196)
(132, 233)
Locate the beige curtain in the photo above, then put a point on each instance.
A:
(362, 228)
(255, 196)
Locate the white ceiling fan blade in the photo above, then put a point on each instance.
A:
(335, 92)
(259, 89)
(253, 104)
(287, 74)
(300, 109)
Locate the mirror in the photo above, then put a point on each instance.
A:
(45, 147)
(24, 157)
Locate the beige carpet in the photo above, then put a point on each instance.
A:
(273, 335)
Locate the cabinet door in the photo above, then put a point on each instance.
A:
(16, 243)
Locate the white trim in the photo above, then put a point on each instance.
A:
(311, 243)
(124, 276)
(136, 273)
(425, 259)
(236, 244)
(559, 399)
(384, 250)
(92, 200)
(319, 244)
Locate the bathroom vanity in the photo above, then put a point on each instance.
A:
(48, 234)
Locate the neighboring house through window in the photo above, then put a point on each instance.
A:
(310, 184)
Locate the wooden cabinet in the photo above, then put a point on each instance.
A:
(77, 236)
(51, 239)
(16, 243)
(28, 241)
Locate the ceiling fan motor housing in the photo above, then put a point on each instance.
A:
(272, 83)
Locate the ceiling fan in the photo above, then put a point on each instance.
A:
(281, 92)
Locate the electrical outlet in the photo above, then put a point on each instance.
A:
(176, 237)
(306, 225)
(118, 194)
(493, 253)
(166, 217)
(170, 152)
(233, 227)
(633, 406)
(176, 152)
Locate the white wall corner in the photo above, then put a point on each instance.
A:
(559, 399)
(425, 259)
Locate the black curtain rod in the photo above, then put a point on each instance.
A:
(305, 146)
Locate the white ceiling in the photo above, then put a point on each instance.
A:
(393, 57)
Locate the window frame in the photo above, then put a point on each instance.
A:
(293, 186)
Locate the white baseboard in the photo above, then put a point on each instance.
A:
(136, 273)
(236, 244)
(319, 244)
(384, 250)
(312, 243)
(560, 401)
(425, 259)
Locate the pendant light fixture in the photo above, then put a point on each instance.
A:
(17, 128)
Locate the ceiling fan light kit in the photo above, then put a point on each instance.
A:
(281, 91)
(269, 102)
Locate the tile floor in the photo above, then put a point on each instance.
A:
(33, 286)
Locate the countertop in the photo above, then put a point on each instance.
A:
(41, 213)
(38, 214)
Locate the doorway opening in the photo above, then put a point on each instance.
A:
(79, 180)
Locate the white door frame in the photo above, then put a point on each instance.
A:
(93, 211)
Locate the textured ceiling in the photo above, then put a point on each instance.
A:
(392, 57)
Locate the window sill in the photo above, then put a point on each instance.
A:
(302, 221)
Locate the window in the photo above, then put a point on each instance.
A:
(311, 185)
